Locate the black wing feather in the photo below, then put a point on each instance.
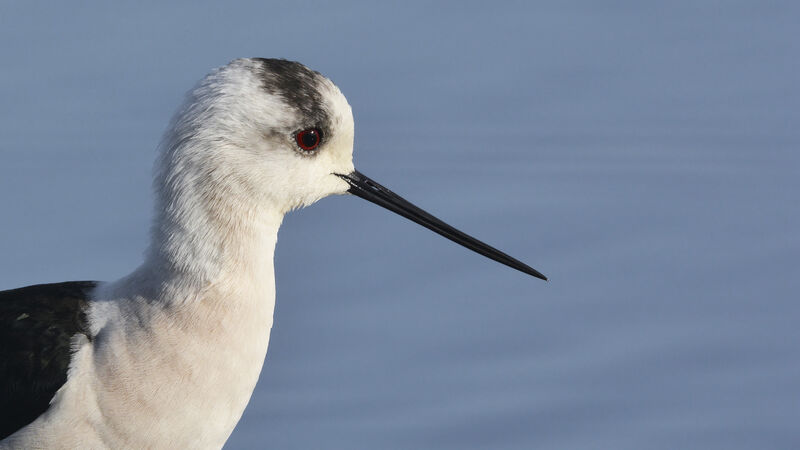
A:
(37, 324)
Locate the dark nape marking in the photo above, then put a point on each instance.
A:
(299, 87)
(37, 324)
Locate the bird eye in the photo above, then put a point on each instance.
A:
(309, 139)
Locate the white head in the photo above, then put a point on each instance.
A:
(255, 139)
(239, 128)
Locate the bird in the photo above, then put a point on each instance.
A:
(168, 355)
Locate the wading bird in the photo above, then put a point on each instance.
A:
(168, 356)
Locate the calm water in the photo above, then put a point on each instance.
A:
(644, 156)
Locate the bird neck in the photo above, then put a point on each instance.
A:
(185, 334)
(193, 320)
(203, 247)
(208, 229)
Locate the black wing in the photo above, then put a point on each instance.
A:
(37, 324)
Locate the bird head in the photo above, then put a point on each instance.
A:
(272, 135)
(267, 132)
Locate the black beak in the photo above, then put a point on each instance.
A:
(364, 187)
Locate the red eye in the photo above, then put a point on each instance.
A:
(309, 139)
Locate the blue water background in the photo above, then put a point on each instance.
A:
(644, 155)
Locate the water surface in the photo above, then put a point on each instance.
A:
(643, 155)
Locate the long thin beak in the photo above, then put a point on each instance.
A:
(364, 187)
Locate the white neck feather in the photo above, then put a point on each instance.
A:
(179, 344)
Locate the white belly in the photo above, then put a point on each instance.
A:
(161, 377)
